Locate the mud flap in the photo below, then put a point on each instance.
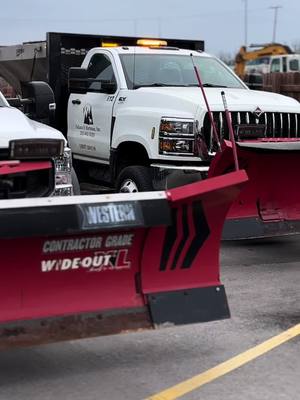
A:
(269, 205)
(181, 278)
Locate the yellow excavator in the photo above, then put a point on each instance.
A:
(268, 49)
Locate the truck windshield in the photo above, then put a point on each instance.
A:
(175, 70)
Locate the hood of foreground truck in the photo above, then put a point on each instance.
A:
(280, 114)
(15, 125)
(237, 99)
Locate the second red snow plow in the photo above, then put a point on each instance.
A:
(95, 265)
(269, 205)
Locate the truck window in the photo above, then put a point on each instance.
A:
(100, 68)
(175, 70)
(259, 61)
(294, 65)
(275, 65)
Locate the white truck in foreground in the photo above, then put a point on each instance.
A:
(35, 160)
(132, 108)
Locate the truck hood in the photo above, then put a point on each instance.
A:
(15, 125)
(237, 99)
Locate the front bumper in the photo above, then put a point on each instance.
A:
(255, 228)
(166, 176)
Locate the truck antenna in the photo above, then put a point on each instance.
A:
(210, 114)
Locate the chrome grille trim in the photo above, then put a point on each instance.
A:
(273, 124)
(266, 119)
(278, 124)
(221, 125)
(247, 118)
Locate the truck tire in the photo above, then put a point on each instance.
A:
(134, 179)
(75, 183)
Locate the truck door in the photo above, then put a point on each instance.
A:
(90, 114)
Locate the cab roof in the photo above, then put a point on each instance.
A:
(153, 50)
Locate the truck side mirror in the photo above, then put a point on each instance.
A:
(78, 80)
(38, 101)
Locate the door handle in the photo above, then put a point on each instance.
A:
(77, 101)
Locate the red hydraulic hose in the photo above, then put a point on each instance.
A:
(215, 132)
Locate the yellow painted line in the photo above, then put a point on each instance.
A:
(210, 375)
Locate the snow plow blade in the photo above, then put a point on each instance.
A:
(269, 204)
(96, 265)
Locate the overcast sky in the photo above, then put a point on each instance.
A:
(221, 24)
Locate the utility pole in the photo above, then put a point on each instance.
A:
(246, 22)
(159, 26)
(275, 8)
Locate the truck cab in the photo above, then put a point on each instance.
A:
(285, 63)
(278, 63)
(139, 113)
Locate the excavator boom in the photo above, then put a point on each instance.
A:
(268, 49)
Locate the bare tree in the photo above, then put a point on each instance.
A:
(226, 57)
(296, 46)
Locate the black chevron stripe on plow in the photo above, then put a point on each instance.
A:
(185, 235)
(202, 232)
(170, 237)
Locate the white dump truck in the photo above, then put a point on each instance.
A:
(136, 119)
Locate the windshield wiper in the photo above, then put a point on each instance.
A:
(212, 85)
(158, 84)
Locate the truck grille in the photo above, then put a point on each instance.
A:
(38, 183)
(278, 124)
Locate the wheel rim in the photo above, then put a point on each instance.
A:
(128, 186)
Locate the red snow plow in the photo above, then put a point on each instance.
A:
(26, 178)
(269, 205)
(96, 265)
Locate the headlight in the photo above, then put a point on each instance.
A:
(177, 137)
(63, 174)
(22, 149)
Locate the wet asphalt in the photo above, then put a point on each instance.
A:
(262, 280)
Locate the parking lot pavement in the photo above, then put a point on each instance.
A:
(262, 280)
